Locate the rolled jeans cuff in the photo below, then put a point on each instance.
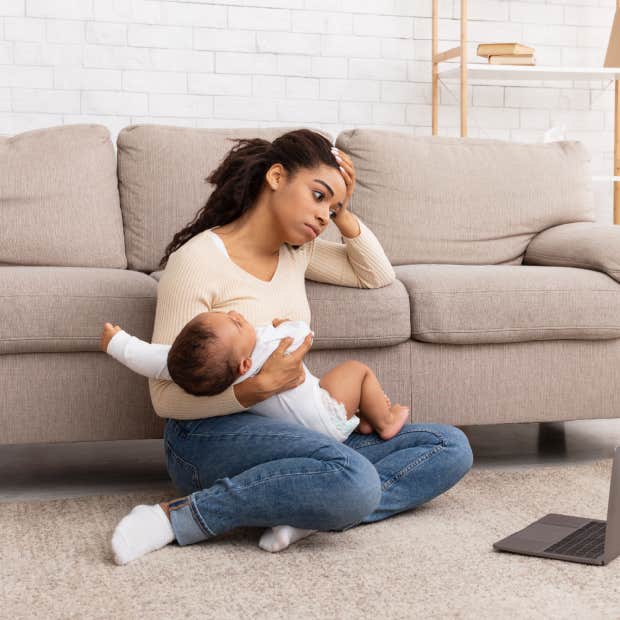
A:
(187, 525)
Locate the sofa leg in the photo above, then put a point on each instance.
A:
(551, 438)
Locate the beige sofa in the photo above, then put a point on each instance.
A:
(506, 306)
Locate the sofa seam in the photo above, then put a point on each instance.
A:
(517, 290)
(49, 338)
(319, 338)
(568, 261)
(75, 296)
(512, 329)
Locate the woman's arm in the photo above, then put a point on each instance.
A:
(182, 293)
(360, 262)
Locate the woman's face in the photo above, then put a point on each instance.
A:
(305, 201)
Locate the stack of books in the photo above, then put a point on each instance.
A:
(507, 53)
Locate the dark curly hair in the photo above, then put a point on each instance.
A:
(198, 362)
(239, 177)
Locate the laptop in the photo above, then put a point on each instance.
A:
(575, 539)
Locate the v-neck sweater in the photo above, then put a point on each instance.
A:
(201, 277)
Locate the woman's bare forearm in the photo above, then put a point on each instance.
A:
(252, 391)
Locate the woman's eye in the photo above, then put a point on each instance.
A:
(321, 195)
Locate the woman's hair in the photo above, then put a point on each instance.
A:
(239, 177)
(198, 362)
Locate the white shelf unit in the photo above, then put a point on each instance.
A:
(464, 70)
(486, 71)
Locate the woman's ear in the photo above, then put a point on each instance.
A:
(275, 175)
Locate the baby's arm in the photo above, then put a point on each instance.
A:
(149, 360)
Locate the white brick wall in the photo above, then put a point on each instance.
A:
(333, 64)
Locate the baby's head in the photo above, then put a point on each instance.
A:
(211, 351)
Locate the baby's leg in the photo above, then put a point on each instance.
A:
(356, 386)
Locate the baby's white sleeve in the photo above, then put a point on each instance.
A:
(149, 360)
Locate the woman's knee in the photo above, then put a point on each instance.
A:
(459, 450)
(357, 491)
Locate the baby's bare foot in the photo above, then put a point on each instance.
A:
(398, 417)
(387, 399)
(364, 428)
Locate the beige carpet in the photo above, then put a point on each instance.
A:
(435, 561)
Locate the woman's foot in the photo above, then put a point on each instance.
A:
(281, 536)
(397, 419)
(144, 529)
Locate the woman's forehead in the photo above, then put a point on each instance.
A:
(328, 175)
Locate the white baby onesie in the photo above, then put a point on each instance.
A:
(307, 404)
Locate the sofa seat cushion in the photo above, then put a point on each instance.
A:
(52, 309)
(465, 304)
(350, 318)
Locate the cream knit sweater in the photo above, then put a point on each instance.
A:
(199, 277)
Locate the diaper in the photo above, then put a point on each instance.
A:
(338, 414)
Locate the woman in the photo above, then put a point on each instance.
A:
(250, 249)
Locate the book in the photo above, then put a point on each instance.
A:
(509, 59)
(495, 49)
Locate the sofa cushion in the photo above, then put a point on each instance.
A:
(465, 304)
(440, 199)
(347, 318)
(162, 174)
(59, 201)
(52, 309)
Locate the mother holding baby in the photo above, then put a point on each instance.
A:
(271, 202)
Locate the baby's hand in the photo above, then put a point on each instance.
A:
(106, 336)
(277, 322)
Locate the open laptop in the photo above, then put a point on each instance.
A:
(576, 539)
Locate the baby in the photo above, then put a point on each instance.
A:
(217, 349)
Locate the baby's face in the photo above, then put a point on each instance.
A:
(234, 330)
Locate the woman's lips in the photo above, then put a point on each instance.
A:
(311, 230)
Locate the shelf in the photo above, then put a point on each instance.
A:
(446, 65)
(487, 71)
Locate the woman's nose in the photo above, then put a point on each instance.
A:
(324, 217)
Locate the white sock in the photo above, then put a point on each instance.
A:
(281, 536)
(144, 529)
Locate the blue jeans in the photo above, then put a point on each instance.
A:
(246, 470)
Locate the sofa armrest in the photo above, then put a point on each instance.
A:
(589, 245)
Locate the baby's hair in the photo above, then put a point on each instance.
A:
(198, 362)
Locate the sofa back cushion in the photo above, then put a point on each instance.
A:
(162, 174)
(59, 202)
(437, 199)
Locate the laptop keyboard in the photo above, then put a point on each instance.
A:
(586, 542)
